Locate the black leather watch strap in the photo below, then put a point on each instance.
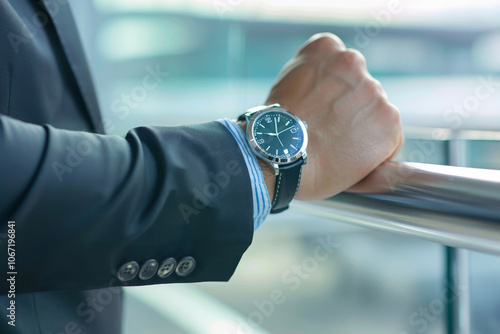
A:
(287, 184)
(242, 117)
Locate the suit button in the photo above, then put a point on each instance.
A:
(186, 266)
(128, 271)
(148, 269)
(167, 267)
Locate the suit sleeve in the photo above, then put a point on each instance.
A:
(85, 204)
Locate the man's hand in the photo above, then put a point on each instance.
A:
(352, 126)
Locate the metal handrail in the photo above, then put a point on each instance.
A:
(454, 206)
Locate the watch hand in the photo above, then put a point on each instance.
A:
(277, 134)
(270, 134)
(286, 129)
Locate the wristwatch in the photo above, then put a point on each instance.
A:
(279, 138)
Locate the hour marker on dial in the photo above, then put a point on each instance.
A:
(285, 151)
(293, 146)
(287, 123)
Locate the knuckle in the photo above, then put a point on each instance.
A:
(378, 85)
(353, 59)
(372, 88)
(390, 112)
(323, 43)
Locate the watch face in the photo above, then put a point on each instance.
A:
(278, 136)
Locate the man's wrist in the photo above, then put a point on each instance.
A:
(266, 168)
(269, 177)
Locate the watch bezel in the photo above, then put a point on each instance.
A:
(261, 152)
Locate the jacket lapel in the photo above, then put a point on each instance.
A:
(71, 43)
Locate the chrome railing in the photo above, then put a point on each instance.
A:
(454, 206)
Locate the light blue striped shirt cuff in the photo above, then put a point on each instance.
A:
(261, 200)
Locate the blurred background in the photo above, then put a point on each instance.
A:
(438, 60)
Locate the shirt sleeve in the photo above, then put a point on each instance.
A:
(261, 200)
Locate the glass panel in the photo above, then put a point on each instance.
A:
(485, 154)
(424, 151)
(485, 295)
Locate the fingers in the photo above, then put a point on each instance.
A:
(329, 59)
(348, 65)
(333, 58)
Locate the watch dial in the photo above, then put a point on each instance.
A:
(278, 134)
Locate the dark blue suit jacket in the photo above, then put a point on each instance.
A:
(85, 203)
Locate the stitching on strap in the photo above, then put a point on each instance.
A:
(298, 182)
(277, 190)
